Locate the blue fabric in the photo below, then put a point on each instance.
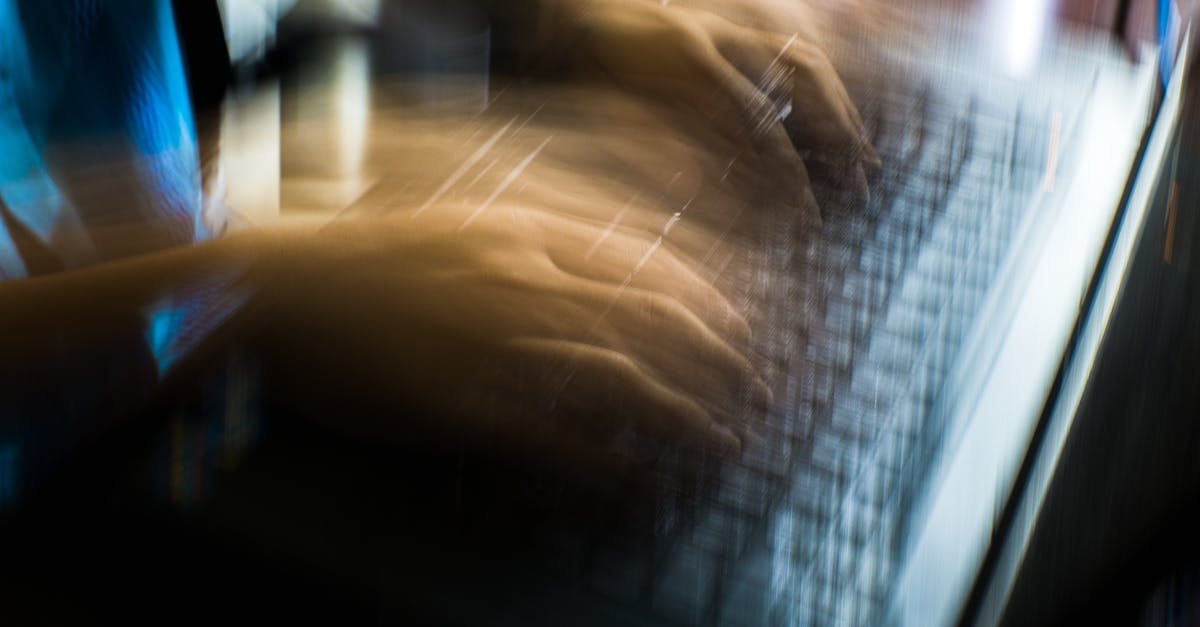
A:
(74, 71)
(1168, 26)
(85, 69)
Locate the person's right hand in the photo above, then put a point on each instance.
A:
(778, 94)
(517, 331)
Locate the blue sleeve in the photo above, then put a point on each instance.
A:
(113, 68)
(71, 70)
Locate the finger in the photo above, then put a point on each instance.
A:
(745, 114)
(597, 380)
(717, 375)
(823, 118)
(786, 66)
(742, 422)
(632, 210)
(654, 319)
(787, 176)
(618, 258)
(725, 392)
(672, 343)
(828, 115)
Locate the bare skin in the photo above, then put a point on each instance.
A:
(503, 332)
(719, 69)
(498, 335)
(564, 346)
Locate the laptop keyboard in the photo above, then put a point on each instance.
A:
(867, 317)
(902, 281)
(859, 325)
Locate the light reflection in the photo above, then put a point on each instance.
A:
(178, 323)
(1022, 29)
(351, 84)
(323, 166)
(250, 161)
(250, 26)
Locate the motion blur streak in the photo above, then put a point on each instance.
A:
(712, 312)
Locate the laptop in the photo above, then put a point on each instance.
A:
(921, 329)
(922, 332)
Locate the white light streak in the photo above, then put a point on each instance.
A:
(506, 183)
(464, 168)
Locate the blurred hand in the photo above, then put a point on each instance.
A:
(516, 331)
(778, 92)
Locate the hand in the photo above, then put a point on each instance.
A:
(743, 80)
(518, 331)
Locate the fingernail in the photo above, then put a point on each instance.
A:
(810, 210)
(862, 190)
(737, 322)
(724, 443)
(762, 394)
(871, 157)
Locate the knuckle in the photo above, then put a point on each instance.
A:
(665, 308)
(620, 364)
